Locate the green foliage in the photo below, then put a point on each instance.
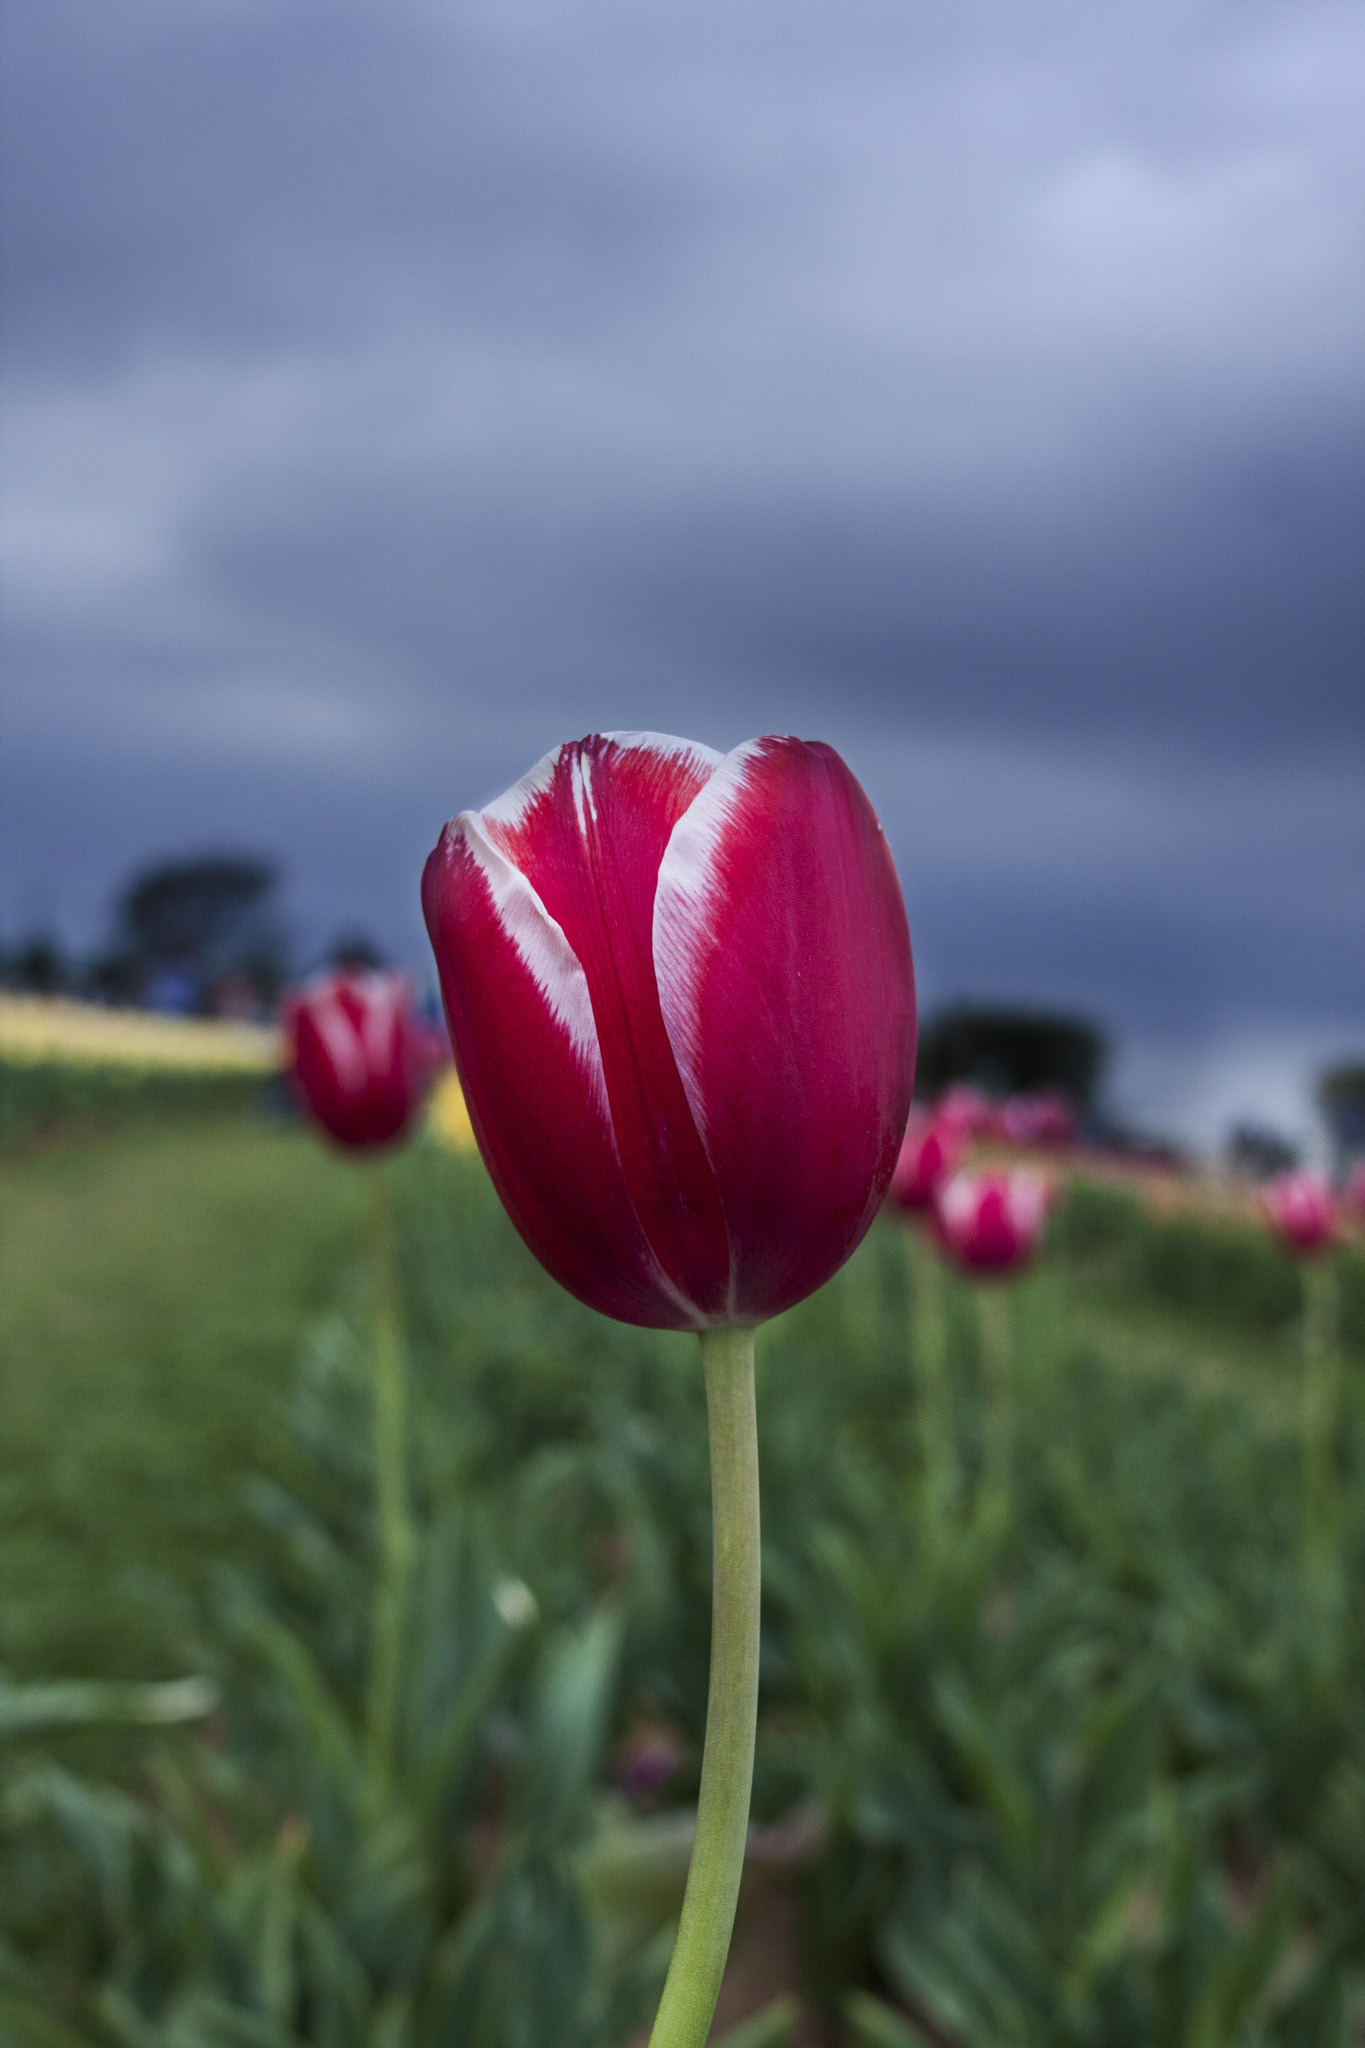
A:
(40, 1096)
(1072, 1758)
(1223, 1271)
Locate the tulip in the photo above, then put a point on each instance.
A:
(1301, 1212)
(929, 1155)
(361, 1060)
(969, 1110)
(991, 1224)
(681, 1003)
(1043, 1119)
(680, 999)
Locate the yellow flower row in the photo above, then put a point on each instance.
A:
(40, 1030)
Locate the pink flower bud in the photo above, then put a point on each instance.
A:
(362, 1062)
(680, 997)
(1300, 1210)
(928, 1155)
(992, 1223)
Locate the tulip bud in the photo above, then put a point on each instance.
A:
(680, 997)
(1300, 1210)
(928, 1156)
(992, 1223)
(361, 1060)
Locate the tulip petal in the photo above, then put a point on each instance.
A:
(587, 830)
(784, 972)
(526, 1046)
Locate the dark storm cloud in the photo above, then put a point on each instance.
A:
(393, 390)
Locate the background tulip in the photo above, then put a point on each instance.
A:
(680, 996)
(929, 1154)
(681, 1001)
(992, 1223)
(970, 1111)
(1301, 1211)
(362, 1061)
(1046, 1118)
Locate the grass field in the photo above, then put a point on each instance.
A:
(155, 1285)
(1072, 1760)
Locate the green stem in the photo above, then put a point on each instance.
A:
(708, 1914)
(929, 1354)
(393, 1518)
(1320, 1399)
(994, 1307)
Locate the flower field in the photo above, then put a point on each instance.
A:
(1062, 1710)
(64, 1062)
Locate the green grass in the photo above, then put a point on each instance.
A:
(155, 1283)
(1046, 1724)
(155, 1286)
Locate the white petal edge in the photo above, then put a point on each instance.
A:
(687, 883)
(541, 946)
(507, 812)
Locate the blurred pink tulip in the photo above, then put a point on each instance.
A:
(1046, 1118)
(968, 1110)
(929, 1153)
(1302, 1213)
(991, 1223)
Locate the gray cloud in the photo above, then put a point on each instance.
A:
(394, 390)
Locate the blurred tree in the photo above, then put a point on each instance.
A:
(187, 928)
(1255, 1152)
(37, 965)
(357, 952)
(1012, 1052)
(1341, 1098)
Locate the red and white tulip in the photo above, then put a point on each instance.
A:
(362, 1060)
(681, 1001)
(991, 1223)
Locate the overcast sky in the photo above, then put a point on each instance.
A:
(395, 389)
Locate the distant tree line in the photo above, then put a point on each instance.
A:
(193, 936)
(1013, 1052)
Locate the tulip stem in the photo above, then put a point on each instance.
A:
(929, 1351)
(394, 1531)
(708, 1913)
(995, 1317)
(1319, 1423)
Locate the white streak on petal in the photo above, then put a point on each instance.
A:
(667, 748)
(543, 949)
(340, 1037)
(511, 807)
(385, 999)
(688, 878)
